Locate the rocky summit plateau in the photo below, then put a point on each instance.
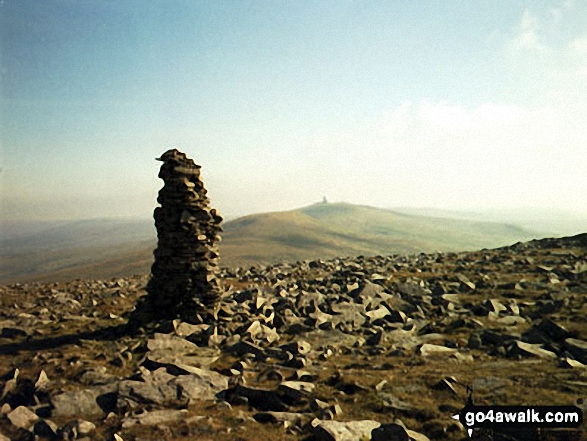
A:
(345, 349)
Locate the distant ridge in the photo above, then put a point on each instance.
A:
(339, 229)
(104, 248)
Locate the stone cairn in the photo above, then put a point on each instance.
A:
(183, 283)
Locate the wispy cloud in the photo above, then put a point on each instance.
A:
(527, 37)
(579, 45)
(443, 154)
(569, 5)
(578, 51)
(549, 49)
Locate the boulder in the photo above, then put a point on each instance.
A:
(344, 431)
(155, 417)
(162, 388)
(94, 401)
(46, 429)
(23, 418)
(578, 348)
(286, 419)
(494, 305)
(390, 432)
(260, 399)
(42, 382)
(427, 350)
(298, 347)
(295, 391)
(529, 350)
(202, 385)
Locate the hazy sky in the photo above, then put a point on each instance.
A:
(459, 105)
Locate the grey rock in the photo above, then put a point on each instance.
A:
(462, 358)
(46, 429)
(413, 289)
(578, 348)
(184, 329)
(86, 402)
(553, 330)
(295, 390)
(11, 383)
(42, 382)
(322, 320)
(529, 350)
(417, 436)
(376, 338)
(451, 298)
(201, 385)
(491, 384)
(351, 313)
(287, 419)
(261, 399)
(493, 338)
(380, 313)
(74, 429)
(299, 347)
(396, 316)
(545, 332)
(171, 343)
(13, 332)
(23, 418)
(158, 388)
(495, 305)
(244, 348)
(390, 432)
(85, 427)
(97, 376)
(318, 405)
(260, 332)
(344, 431)
(390, 401)
(509, 320)
(447, 384)
(567, 362)
(465, 284)
(474, 341)
(167, 350)
(349, 387)
(155, 417)
(182, 364)
(162, 388)
(371, 290)
(296, 362)
(513, 307)
(427, 350)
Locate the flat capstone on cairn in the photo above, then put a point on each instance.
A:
(183, 280)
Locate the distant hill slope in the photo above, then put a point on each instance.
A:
(557, 222)
(105, 248)
(329, 230)
(66, 250)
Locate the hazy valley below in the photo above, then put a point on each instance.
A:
(104, 248)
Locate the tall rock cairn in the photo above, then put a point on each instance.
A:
(183, 283)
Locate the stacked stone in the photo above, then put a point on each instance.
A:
(183, 281)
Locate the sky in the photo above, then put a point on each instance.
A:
(453, 105)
